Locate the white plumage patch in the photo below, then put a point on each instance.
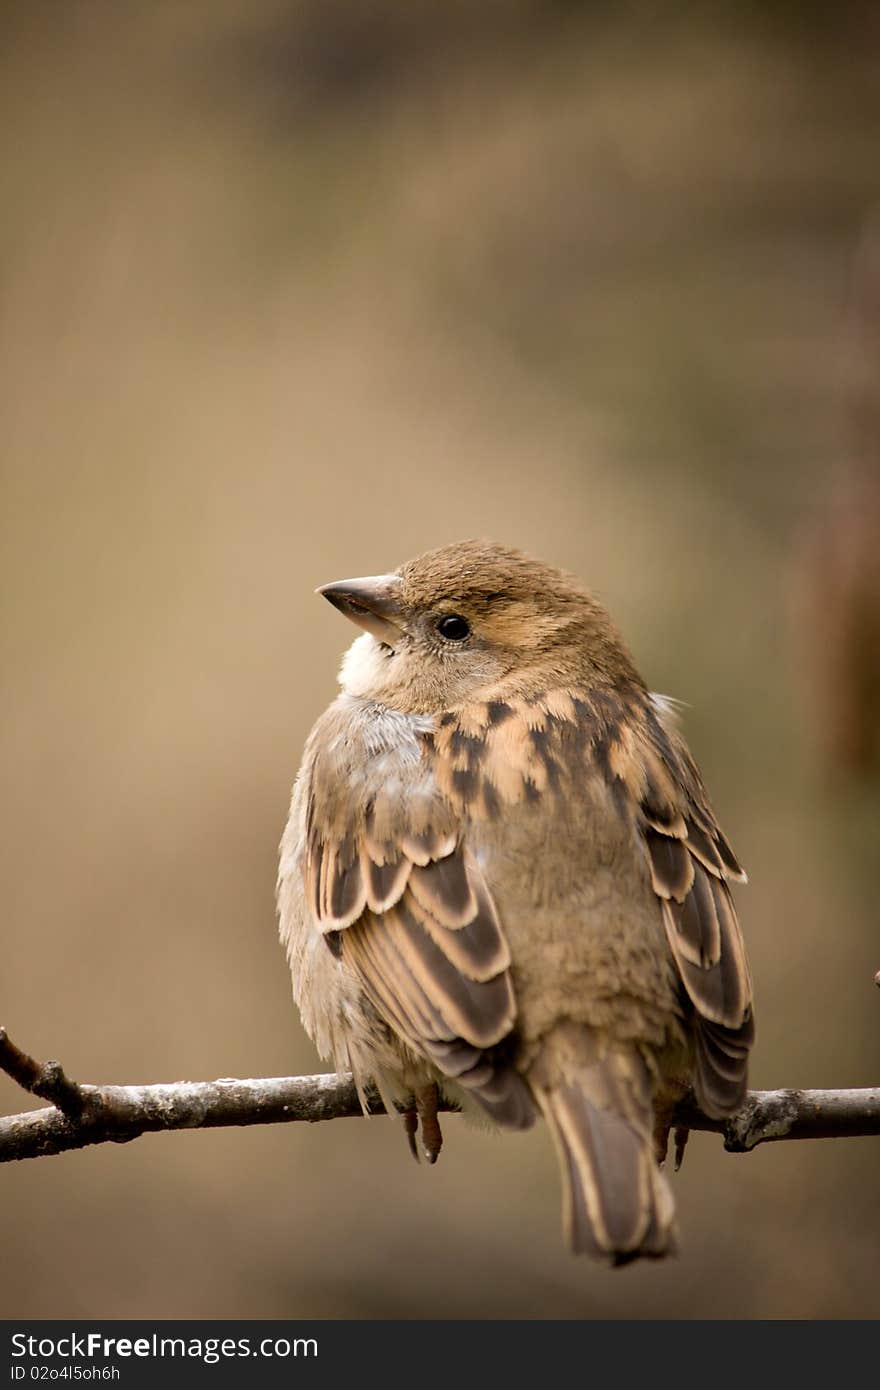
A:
(383, 730)
(363, 667)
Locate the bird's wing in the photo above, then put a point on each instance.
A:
(691, 865)
(403, 903)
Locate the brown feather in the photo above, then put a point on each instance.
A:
(312, 877)
(441, 1013)
(660, 799)
(704, 848)
(616, 1203)
(443, 890)
(672, 869)
(506, 1099)
(697, 923)
(721, 992)
(391, 987)
(481, 1013)
(731, 863)
(426, 846)
(345, 890)
(478, 949)
(457, 1059)
(722, 1066)
(500, 1090)
(701, 925)
(385, 882)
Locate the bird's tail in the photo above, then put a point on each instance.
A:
(616, 1204)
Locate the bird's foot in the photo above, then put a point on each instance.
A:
(426, 1098)
(662, 1131)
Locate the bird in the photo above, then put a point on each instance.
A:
(502, 884)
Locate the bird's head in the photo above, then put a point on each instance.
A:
(473, 620)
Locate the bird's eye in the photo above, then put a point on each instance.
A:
(453, 627)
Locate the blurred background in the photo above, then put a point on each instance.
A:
(293, 291)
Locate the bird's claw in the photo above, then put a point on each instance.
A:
(681, 1137)
(426, 1106)
(411, 1129)
(426, 1098)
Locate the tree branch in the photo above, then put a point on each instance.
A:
(82, 1115)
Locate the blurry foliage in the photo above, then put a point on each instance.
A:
(837, 605)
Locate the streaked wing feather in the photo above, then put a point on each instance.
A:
(478, 949)
(696, 922)
(731, 864)
(704, 848)
(722, 1066)
(701, 924)
(672, 869)
(391, 987)
(443, 890)
(405, 906)
(719, 992)
(480, 1012)
(426, 847)
(384, 882)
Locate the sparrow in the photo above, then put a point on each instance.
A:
(502, 882)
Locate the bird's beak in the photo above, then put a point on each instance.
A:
(373, 603)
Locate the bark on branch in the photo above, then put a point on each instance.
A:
(82, 1115)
